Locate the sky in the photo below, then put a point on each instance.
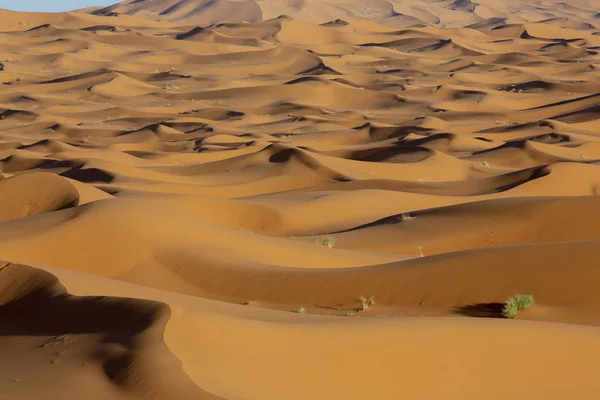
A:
(52, 5)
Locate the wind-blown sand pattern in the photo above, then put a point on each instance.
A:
(166, 190)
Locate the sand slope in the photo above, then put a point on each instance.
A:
(167, 190)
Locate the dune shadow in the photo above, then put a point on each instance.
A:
(88, 175)
(34, 302)
(397, 154)
(480, 310)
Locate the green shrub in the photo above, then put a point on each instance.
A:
(327, 241)
(516, 303)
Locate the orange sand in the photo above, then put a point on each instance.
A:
(166, 185)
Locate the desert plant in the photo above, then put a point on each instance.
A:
(327, 241)
(169, 87)
(301, 310)
(13, 81)
(366, 303)
(516, 303)
(372, 300)
(407, 216)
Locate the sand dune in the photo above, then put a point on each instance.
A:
(451, 13)
(332, 200)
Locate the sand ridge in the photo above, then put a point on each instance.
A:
(169, 185)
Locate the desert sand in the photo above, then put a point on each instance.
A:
(194, 200)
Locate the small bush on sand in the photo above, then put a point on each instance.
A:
(516, 303)
(169, 87)
(407, 217)
(366, 303)
(327, 241)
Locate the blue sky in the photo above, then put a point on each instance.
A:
(52, 5)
